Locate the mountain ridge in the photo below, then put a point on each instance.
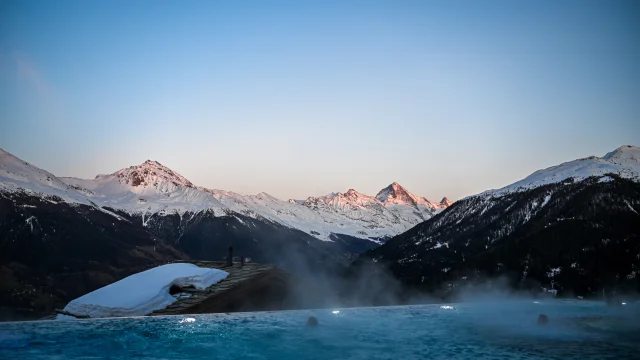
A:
(573, 228)
(623, 161)
(152, 188)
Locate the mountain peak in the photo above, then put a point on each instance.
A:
(625, 153)
(623, 161)
(151, 173)
(396, 194)
(445, 202)
(351, 194)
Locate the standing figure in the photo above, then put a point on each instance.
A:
(230, 256)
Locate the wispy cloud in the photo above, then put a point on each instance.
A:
(37, 97)
(29, 73)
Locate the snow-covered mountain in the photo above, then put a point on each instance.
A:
(623, 161)
(355, 214)
(151, 189)
(20, 176)
(572, 227)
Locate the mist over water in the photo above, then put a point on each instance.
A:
(499, 329)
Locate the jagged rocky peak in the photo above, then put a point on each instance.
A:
(151, 173)
(352, 193)
(396, 194)
(351, 196)
(445, 202)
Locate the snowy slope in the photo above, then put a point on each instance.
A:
(399, 200)
(361, 215)
(144, 292)
(151, 188)
(349, 213)
(17, 175)
(624, 161)
(147, 188)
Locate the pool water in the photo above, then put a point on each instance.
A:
(483, 330)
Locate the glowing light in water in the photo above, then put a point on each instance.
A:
(446, 307)
(187, 320)
(536, 302)
(335, 312)
(624, 303)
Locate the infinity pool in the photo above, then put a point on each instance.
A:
(486, 330)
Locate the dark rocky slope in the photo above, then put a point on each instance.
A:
(52, 252)
(204, 236)
(574, 237)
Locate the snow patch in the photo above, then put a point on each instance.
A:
(30, 221)
(554, 272)
(144, 292)
(631, 207)
(439, 245)
(546, 200)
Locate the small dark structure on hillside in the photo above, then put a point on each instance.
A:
(230, 256)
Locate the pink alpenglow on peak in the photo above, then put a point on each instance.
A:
(397, 194)
(152, 188)
(151, 173)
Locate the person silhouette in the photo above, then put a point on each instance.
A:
(543, 319)
(312, 321)
(230, 256)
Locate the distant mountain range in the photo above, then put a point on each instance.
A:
(151, 189)
(63, 237)
(572, 228)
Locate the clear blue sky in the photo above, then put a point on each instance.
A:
(302, 98)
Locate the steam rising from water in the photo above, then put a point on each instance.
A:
(503, 328)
